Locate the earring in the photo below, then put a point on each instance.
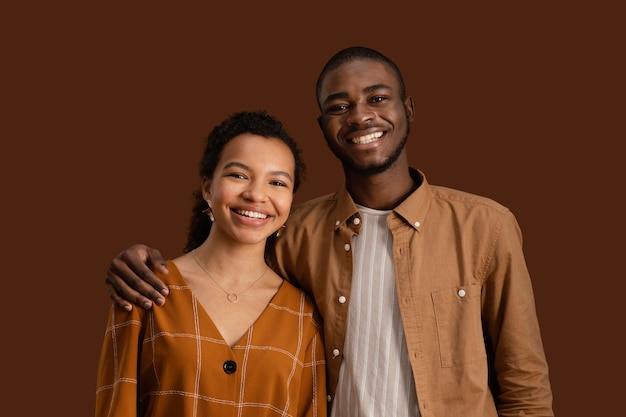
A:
(209, 212)
(280, 231)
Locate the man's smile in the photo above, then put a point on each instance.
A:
(361, 140)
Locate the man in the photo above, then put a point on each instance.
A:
(427, 302)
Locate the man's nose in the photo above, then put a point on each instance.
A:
(361, 113)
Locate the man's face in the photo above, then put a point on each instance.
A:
(364, 119)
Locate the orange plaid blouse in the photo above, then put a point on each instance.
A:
(172, 361)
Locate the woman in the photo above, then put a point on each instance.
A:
(234, 338)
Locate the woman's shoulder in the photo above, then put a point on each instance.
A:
(295, 299)
(173, 277)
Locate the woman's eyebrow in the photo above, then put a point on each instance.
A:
(247, 168)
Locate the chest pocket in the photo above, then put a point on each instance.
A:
(459, 327)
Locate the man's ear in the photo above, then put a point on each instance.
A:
(409, 108)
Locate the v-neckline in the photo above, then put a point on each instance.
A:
(238, 345)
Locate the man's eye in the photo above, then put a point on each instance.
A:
(379, 99)
(338, 108)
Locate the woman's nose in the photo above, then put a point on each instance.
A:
(256, 191)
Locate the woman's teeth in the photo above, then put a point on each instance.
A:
(252, 214)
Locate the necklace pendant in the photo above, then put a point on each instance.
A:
(232, 297)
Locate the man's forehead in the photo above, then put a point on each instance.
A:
(362, 75)
(360, 65)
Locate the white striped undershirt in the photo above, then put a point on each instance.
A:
(375, 377)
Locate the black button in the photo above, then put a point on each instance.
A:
(230, 367)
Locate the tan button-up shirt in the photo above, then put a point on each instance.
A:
(464, 292)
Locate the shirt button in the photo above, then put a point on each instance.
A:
(337, 222)
(342, 299)
(461, 293)
(356, 220)
(417, 224)
(230, 367)
(328, 398)
(335, 353)
(346, 247)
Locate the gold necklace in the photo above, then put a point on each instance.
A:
(230, 296)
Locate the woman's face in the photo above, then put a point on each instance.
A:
(252, 188)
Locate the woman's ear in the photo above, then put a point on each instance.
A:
(205, 185)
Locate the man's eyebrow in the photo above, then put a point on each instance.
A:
(335, 96)
(368, 89)
(241, 165)
(375, 87)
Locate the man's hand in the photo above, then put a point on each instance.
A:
(130, 278)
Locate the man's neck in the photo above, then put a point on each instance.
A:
(382, 191)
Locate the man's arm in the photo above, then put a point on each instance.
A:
(130, 278)
(511, 323)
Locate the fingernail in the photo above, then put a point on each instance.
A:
(160, 301)
(147, 305)
(165, 291)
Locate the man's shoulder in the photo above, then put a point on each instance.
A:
(454, 196)
(316, 205)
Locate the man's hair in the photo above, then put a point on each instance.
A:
(355, 53)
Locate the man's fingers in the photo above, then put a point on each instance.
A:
(137, 273)
(117, 299)
(156, 261)
(132, 287)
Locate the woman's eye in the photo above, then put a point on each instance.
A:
(237, 175)
(279, 183)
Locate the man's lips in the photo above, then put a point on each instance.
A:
(362, 140)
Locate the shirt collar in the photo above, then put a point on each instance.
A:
(413, 209)
(345, 209)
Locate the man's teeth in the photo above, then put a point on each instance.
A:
(361, 140)
(252, 214)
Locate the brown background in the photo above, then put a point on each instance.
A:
(106, 108)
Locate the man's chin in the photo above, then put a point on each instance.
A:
(370, 169)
